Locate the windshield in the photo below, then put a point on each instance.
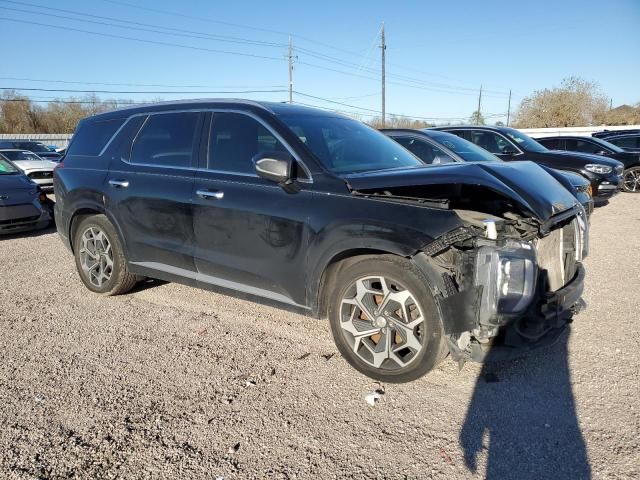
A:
(348, 146)
(32, 146)
(525, 142)
(607, 145)
(16, 155)
(468, 151)
(6, 168)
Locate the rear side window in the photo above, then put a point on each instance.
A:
(429, 154)
(625, 142)
(92, 137)
(167, 140)
(582, 146)
(235, 140)
(553, 143)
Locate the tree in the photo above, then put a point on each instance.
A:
(477, 118)
(575, 103)
(623, 115)
(395, 121)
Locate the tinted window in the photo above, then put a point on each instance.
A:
(428, 153)
(625, 142)
(525, 142)
(6, 168)
(553, 143)
(582, 146)
(348, 146)
(167, 139)
(17, 155)
(235, 139)
(467, 150)
(92, 137)
(491, 142)
(36, 147)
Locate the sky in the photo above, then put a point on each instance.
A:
(438, 53)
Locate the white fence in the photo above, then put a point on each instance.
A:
(60, 140)
(579, 131)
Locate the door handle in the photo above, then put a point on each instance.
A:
(119, 183)
(207, 194)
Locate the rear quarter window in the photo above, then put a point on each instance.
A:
(92, 137)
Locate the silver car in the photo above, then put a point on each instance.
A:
(36, 168)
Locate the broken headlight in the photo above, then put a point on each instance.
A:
(508, 276)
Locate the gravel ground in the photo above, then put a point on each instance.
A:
(175, 382)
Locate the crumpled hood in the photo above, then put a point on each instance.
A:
(35, 164)
(525, 183)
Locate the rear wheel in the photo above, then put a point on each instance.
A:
(100, 259)
(384, 319)
(631, 180)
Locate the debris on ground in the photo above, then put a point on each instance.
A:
(234, 448)
(250, 383)
(328, 356)
(303, 356)
(376, 396)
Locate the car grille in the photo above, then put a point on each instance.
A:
(560, 252)
(40, 175)
(18, 221)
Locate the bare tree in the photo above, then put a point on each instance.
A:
(395, 121)
(575, 103)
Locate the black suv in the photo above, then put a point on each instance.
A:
(319, 212)
(597, 146)
(628, 140)
(38, 148)
(509, 144)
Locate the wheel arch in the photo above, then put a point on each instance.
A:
(89, 210)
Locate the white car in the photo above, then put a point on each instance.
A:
(36, 168)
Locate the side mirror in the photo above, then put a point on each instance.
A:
(602, 152)
(508, 150)
(275, 166)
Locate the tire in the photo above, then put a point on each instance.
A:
(631, 180)
(100, 259)
(409, 341)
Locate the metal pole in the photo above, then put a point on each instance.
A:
(509, 109)
(479, 104)
(290, 70)
(383, 47)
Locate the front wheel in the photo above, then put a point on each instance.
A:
(384, 319)
(631, 180)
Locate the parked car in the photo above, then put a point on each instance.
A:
(628, 140)
(597, 146)
(321, 213)
(435, 147)
(605, 174)
(38, 148)
(37, 169)
(22, 205)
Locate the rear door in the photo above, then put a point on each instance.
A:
(249, 234)
(150, 189)
(495, 143)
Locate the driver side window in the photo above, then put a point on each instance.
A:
(492, 142)
(428, 153)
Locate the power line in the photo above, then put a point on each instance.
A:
(136, 84)
(154, 42)
(138, 92)
(180, 32)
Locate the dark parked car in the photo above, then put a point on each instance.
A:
(605, 174)
(597, 146)
(434, 147)
(38, 148)
(319, 212)
(22, 205)
(628, 140)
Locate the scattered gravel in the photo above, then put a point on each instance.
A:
(175, 382)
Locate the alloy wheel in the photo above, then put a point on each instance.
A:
(96, 256)
(382, 322)
(631, 181)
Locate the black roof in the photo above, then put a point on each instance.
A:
(242, 104)
(615, 133)
(475, 127)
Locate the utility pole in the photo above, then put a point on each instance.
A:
(383, 47)
(509, 108)
(479, 104)
(291, 57)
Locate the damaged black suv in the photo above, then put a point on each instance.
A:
(319, 212)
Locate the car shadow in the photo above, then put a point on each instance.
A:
(523, 414)
(29, 233)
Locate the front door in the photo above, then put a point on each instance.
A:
(249, 233)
